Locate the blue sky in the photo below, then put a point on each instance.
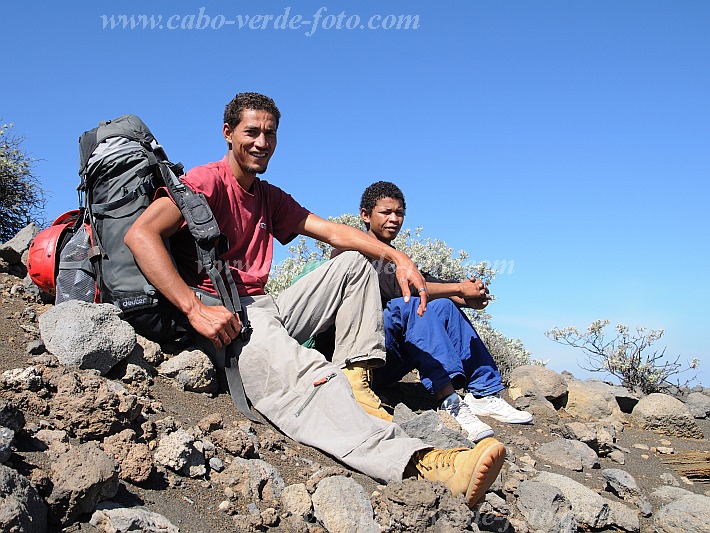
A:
(570, 138)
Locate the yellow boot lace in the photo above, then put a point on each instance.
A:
(438, 458)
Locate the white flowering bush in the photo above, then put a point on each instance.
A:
(430, 255)
(21, 196)
(626, 355)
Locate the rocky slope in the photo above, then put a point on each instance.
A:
(100, 431)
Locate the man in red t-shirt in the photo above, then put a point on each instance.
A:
(307, 397)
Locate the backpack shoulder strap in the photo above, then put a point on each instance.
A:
(205, 230)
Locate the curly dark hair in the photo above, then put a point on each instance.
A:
(255, 101)
(379, 190)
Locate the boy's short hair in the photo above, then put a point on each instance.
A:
(379, 190)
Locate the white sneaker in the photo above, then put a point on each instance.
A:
(495, 407)
(457, 408)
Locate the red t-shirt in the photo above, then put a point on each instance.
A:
(249, 221)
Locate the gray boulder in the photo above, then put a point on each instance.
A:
(699, 404)
(542, 409)
(22, 240)
(623, 517)
(82, 477)
(191, 371)
(690, 514)
(591, 400)
(420, 506)
(590, 509)
(599, 436)
(545, 508)
(21, 508)
(429, 427)
(85, 335)
(625, 399)
(625, 487)
(124, 520)
(667, 493)
(534, 380)
(570, 454)
(666, 414)
(341, 504)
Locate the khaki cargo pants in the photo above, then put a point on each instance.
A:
(304, 395)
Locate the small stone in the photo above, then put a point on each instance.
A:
(528, 461)
(216, 464)
(665, 450)
(644, 456)
(640, 446)
(269, 517)
(668, 479)
(35, 347)
(210, 423)
(665, 442)
(618, 457)
(226, 507)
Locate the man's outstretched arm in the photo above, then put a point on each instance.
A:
(146, 239)
(345, 237)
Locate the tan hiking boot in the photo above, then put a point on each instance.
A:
(359, 379)
(465, 471)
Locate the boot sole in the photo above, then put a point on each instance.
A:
(485, 472)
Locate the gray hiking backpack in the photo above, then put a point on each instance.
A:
(121, 167)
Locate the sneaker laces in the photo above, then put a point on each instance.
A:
(465, 414)
(498, 403)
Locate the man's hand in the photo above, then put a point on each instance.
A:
(215, 323)
(409, 276)
(474, 293)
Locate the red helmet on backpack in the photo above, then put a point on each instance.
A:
(43, 259)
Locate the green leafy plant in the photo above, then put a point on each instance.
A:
(22, 199)
(626, 354)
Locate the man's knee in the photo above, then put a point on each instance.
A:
(353, 260)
